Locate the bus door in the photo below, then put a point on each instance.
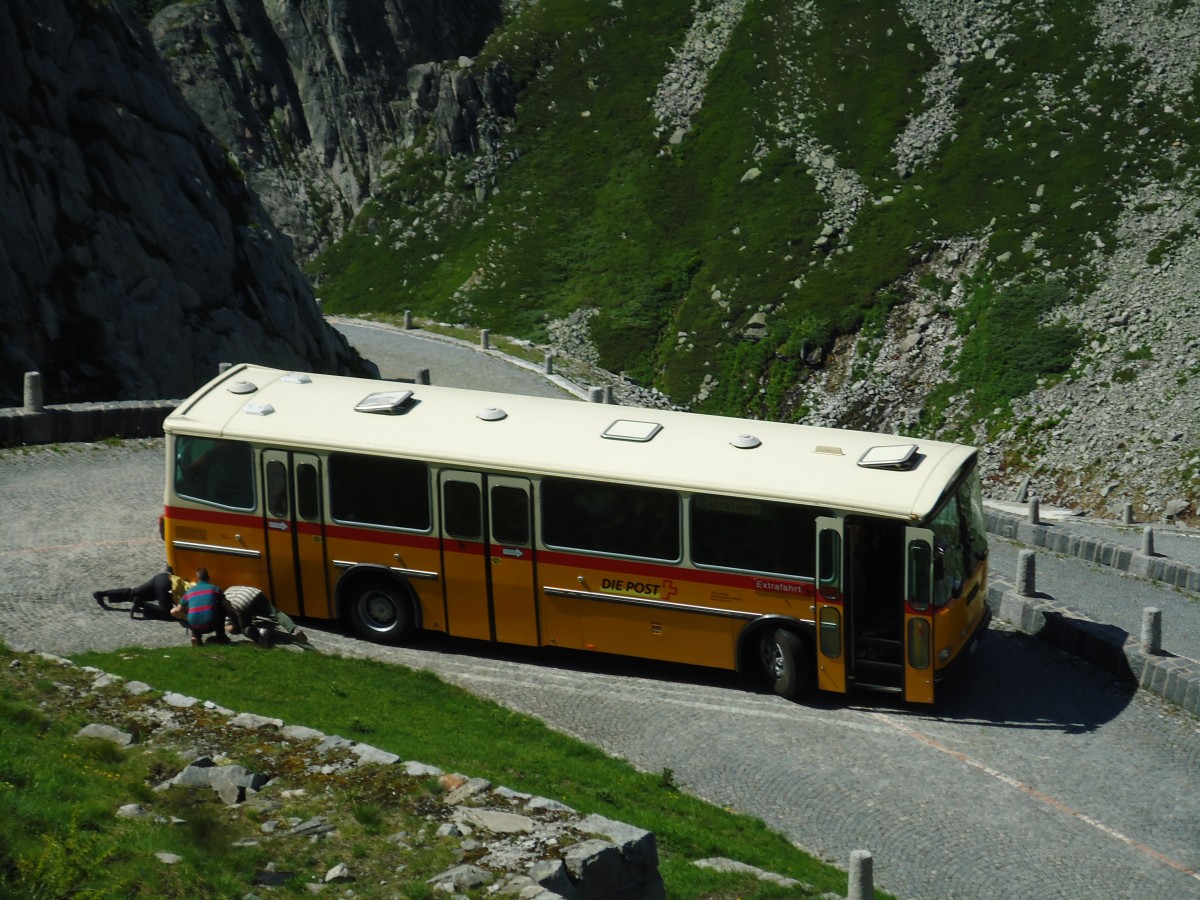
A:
(487, 557)
(830, 606)
(295, 533)
(919, 566)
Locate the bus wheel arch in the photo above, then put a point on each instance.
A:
(380, 606)
(780, 654)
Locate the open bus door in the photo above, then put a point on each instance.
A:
(830, 606)
(919, 642)
(487, 557)
(295, 535)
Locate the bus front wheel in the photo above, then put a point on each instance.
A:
(785, 663)
(380, 612)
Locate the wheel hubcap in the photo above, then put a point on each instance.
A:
(772, 655)
(378, 610)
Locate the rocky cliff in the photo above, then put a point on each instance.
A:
(133, 256)
(315, 99)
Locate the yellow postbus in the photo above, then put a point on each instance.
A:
(796, 556)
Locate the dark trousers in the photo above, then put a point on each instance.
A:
(155, 592)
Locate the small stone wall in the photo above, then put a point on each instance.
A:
(76, 422)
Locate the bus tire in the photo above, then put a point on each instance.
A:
(380, 611)
(785, 663)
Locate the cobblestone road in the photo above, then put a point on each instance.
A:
(1039, 777)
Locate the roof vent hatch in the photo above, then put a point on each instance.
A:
(900, 457)
(631, 430)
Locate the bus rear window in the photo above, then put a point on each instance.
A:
(214, 471)
(758, 535)
(378, 490)
(610, 518)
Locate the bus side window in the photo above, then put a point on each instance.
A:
(215, 471)
(611, 518)
(379, 490)
(919, 564)
(754, 535)
(461, 510)
(510, 515)
(830, 564)
(277, 490)
(308, 492)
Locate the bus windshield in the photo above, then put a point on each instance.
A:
(961, 536)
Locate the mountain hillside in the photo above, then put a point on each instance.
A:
(974, 220)
(133, 258)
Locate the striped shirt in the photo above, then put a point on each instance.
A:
(246, 603)
(203, 604)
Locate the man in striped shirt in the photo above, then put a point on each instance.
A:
(251, 613)
(204, 609)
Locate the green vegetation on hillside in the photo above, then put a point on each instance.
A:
(681, 246)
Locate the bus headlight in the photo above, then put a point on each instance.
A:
(944, 656)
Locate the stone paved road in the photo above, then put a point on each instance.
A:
(1040, 777)
(400, 354)
(1107, 595)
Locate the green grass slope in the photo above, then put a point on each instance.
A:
(803, 199)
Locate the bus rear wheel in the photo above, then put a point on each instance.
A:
(785, 663)
(380, 612)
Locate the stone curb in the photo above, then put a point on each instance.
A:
(1111, 649)
(1060, 539)
(84, 422)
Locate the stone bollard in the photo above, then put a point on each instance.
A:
(1148, 541)
(223, 367)
(1027, 573)
(408, 320)
(483, 338)
(862, 876)
(1127, 514)
(549, 364)
(1035, 504)
(596, 395)
(320, 307)
(1023, 490)
(33, 393)
(422, 376)
(1152, 630)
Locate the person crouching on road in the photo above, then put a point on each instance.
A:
(203, 610)
(252, 614)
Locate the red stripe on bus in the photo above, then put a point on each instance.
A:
(375, 536)
(213, 517)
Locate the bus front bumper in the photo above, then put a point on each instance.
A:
(950, 671)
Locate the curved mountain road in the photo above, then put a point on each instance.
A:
(1038, 777)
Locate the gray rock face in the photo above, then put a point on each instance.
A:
(133, 256)
(310, 96)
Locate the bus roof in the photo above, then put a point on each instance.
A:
(848, 471)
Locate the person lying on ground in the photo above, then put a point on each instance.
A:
(156, 595)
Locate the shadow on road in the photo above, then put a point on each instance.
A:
(1013, 681)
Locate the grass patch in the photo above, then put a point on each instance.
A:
(1007, 347)
(58, 798)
